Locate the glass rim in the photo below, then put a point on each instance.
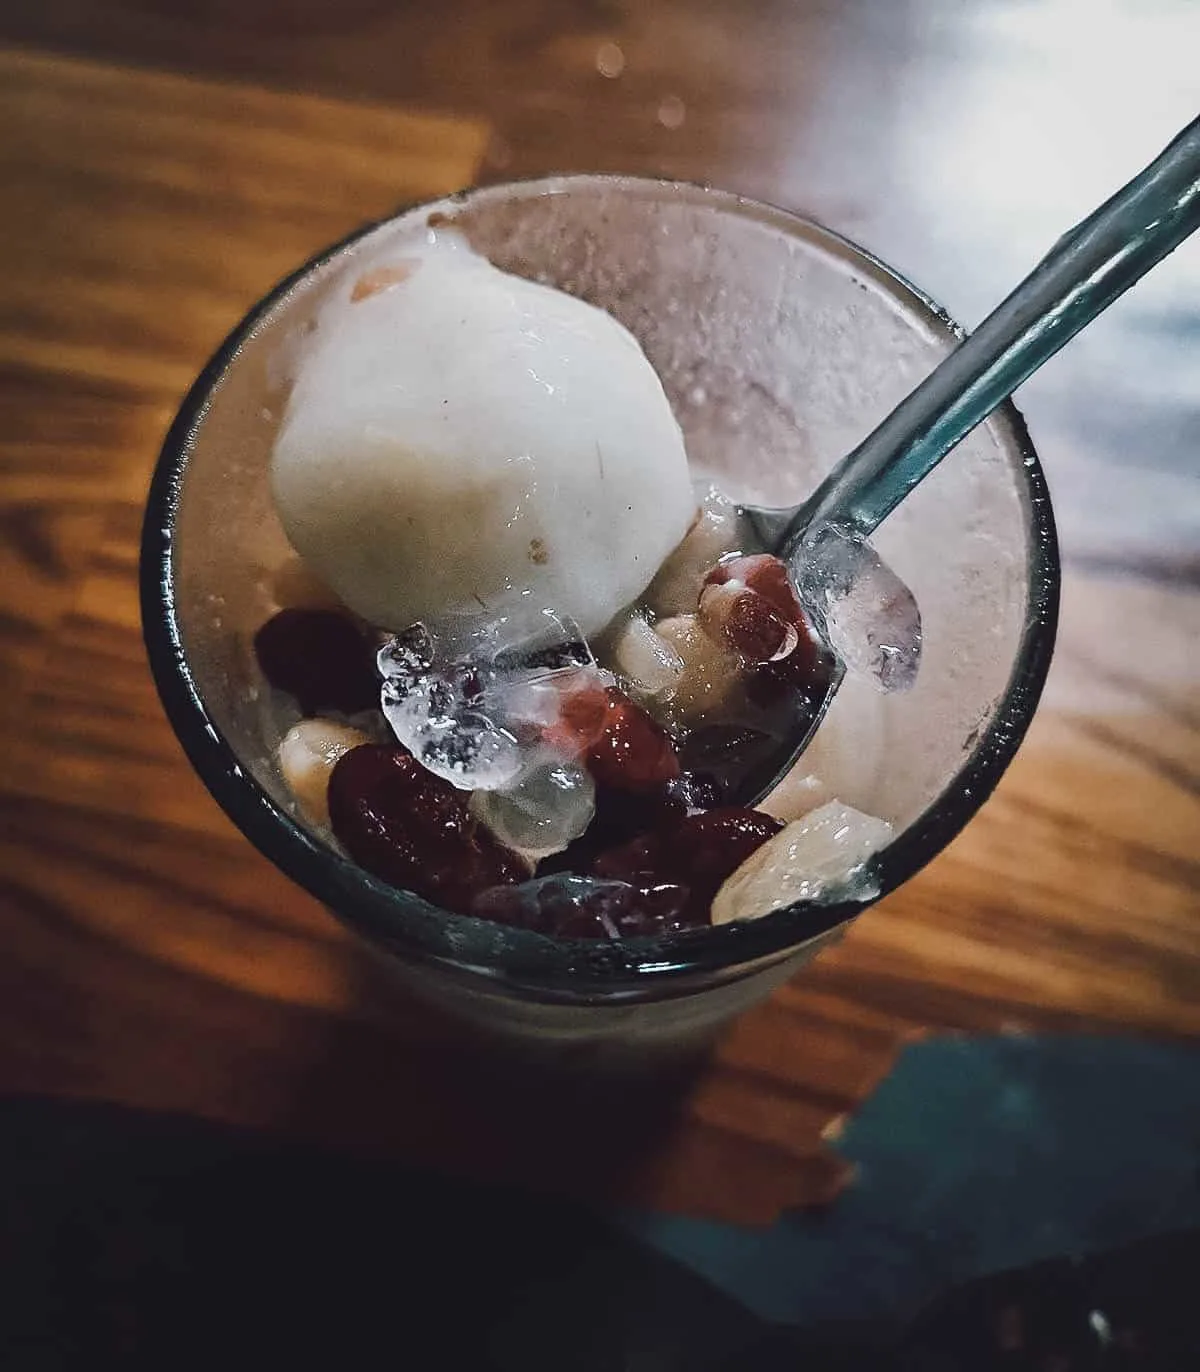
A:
(538, 967)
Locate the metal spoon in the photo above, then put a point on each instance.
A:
(823, 540)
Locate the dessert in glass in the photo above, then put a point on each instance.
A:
(447, 598)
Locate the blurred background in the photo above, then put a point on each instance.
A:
(162, 164)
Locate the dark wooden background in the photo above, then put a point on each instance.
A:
(162, 165)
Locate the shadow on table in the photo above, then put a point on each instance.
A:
(137, 1241)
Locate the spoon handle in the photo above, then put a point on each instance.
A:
(1085, 271)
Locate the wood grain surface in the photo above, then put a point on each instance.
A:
(158, 174)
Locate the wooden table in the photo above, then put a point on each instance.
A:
(159, 173)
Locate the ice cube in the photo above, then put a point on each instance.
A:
(543, 812)
(525, 688)
(438, 721)
(405, 660)
(555, 643)
(470, 705)
(820, 858)
(864, 611)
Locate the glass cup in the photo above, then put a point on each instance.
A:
(780, 346)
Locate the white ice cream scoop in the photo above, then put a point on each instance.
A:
(462, 441)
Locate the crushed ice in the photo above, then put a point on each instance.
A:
(864, 611)
(550, 806)
(474, 713)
